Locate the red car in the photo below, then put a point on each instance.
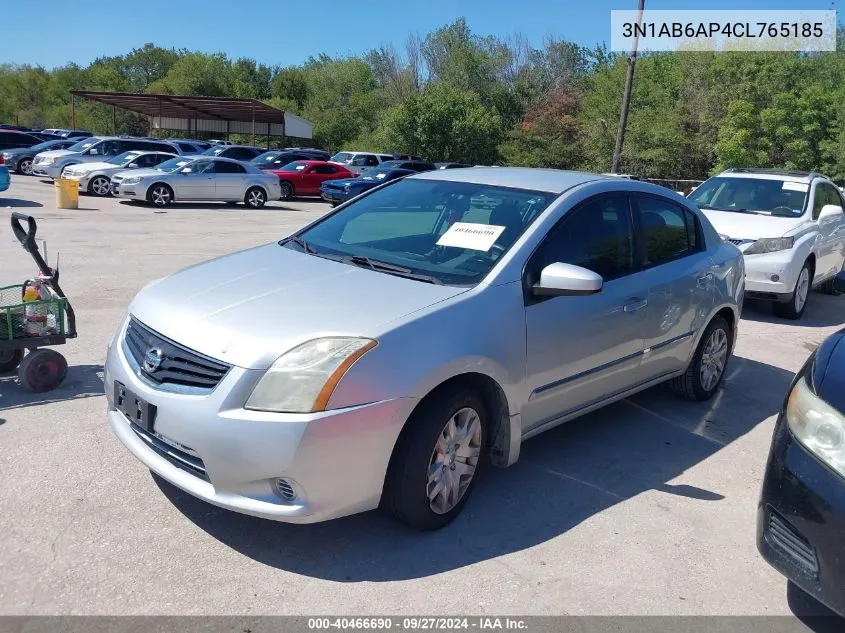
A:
(304, 177)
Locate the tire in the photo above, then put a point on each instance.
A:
(334, 204)
(829, 287)
(160, 195)
(287, 190)
(42, 370)
(794, 308)
(407, 487)
(99, 186)
(24, 167)
(693, 384)
(255, 198)
(9, 360)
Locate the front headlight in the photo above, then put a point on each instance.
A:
(52, 160)
(134, 180)
(6, 155)
(81, 174)
(817, 425)
(303, 379)
(770, 245)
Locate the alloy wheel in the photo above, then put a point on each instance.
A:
(454, 460)
(100, 186)
(713, 359)
(802, 288)
(161, 196)
(255, 198)
(26, 167)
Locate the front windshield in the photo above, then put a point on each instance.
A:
(173, 164)
(376, 174)
(122, 159)
(341, 157)
(450, 232)
(47, 145)
(266, 157)
(81, 146)
(214, 151)
(294, 166)
(762, 195)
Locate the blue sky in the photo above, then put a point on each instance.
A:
(286, 32)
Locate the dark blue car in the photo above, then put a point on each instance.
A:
(338, 191)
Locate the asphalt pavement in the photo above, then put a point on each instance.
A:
(644, 508)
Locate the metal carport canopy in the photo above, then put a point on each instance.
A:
(213, 114)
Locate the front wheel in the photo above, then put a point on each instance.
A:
(42, 370)
(25, 167)
(707, 367)
(255, 198)
(10, 359)
(160, 195)
(99, 186)
(794, 308)
(286, 191)
(437, 459)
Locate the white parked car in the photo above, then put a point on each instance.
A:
(95, 178)
(357, 162)
(198, 178)
(789, 225)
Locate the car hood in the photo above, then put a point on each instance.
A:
(56, 153)
(98, 166)
(17, 151)
(341, 182)
(149, 171)
(750, 226)
(248, 308)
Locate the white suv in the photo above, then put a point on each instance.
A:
(358, 162)
(789, 225)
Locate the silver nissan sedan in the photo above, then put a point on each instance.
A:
(382, 354)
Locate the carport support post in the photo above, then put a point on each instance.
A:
(253, 125)
(268, 137)
(227, 130)
(114, 120)
(73, 111)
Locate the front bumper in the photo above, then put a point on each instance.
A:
(334, 195)
(801, 520)
(53, 171)
(335, 461)
(772, 276)
(132, 192)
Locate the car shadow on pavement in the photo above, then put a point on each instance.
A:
(562, 478)
(822, 311)
(817, 617)
(18, 203)
(82, 381)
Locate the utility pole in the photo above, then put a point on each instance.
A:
(626, 96)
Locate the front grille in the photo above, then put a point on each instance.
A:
(179, 366)
(187, 462)
(789, 542)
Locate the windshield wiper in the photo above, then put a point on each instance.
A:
(730, 209)
(400, 271)
(301, 243)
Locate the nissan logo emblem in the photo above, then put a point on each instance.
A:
(152, 360)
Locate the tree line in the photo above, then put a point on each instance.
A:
(455, 95)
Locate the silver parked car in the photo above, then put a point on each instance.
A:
(95, 178)
(380, 354)
(197, 178)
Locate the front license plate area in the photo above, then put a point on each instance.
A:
(138, 411)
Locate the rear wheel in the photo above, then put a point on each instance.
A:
(287, 190)
(99, 186)
(436, 461)
(707, 367)
(10, 359)
(255, 198)
(42, 370)
(794, 308)
(160, 195)
(25, 167)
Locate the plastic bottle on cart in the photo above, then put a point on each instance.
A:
(36, 315)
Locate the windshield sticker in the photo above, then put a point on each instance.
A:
(478, 237)
(796, 186)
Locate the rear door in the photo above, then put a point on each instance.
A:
(679, 272)
(229, 180)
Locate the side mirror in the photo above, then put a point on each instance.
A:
(94, 152)
(560, 279)
(186, 171)
(830, 211)
(132, 166)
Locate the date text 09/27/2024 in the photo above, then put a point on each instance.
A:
(417, 623)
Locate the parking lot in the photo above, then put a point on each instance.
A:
(646, 507)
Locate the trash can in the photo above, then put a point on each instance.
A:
(67, 194)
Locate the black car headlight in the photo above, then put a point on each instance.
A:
(817, 425)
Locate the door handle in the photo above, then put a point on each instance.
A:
(635, 304)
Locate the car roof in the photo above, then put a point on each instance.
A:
(789, 175)
(549, 180)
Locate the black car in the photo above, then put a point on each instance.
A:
(12, 139)
(451, 165)
(277, 159)
(801, 516)
(235, 152)
(44, 136)
(413, 165)
(20, 160)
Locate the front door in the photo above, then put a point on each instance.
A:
(584, 349)
(197, 184)
(829, 251)
(681, 282)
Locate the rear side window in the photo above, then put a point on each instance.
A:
(668, 230)
(223, 167)
(597, 235)
(324, 169)
(185, 147)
